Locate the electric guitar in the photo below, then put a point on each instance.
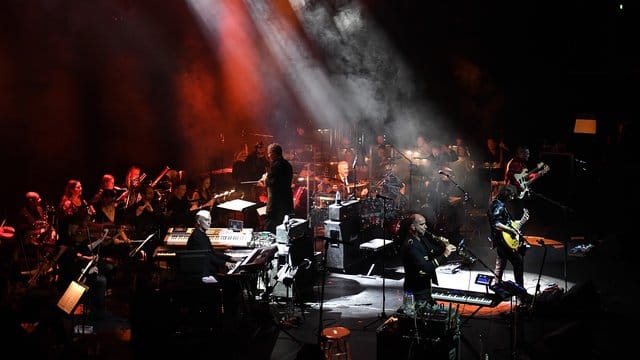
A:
(516, 243)
(524, 184)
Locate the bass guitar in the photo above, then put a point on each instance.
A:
(524, 184)
(516, 243)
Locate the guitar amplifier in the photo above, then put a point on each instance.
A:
(293, 229)
(345, 210)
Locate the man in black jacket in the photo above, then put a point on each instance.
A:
(422, 252)
(217, 262)
(278, 181)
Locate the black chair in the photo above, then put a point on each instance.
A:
(200, 303)
(191, 265)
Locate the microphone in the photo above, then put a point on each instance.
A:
(383, 197)
(355, 160)
(443, 173)
(119, 188)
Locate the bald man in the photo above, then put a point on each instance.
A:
(422, 252)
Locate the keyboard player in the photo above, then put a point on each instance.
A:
(218, 262)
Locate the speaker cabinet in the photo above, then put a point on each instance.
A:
(343, 257)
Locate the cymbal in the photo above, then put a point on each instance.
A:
(328, 163)
(327, 196)
(329, 180)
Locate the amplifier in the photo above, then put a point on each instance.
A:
(294, 229)
(345, 210)
(346, 231)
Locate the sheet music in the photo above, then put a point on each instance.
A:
(71, 296)
(236, 205)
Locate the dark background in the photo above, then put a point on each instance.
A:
(96, 86)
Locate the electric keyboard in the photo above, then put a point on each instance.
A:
(465, 296)
(219, 237)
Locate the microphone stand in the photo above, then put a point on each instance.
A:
(411, 165)
(565, 211)
(544, 256)
(467, 197)
(383, 315)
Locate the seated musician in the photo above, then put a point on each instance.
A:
(421, 253)
(218, 262)
(77, 251)
(117, 245)
(342, 182)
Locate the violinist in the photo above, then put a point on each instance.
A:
(422, 252)
(146, 216)
(132, 183)
(80, 252)
(109, 216)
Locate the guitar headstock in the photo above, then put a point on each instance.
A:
(525, 215)
(543, 168)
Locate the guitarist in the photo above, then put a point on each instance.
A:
(516, 166)
(500, 221)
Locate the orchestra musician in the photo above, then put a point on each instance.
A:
(33, 224)
(202, 197)
(72, 205)
(78, 252)
(146, 218)
(421, 253)
(132, 183)
(109, 216)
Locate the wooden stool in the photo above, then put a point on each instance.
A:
(336, 344)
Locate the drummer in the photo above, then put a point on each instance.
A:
(344, 183)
